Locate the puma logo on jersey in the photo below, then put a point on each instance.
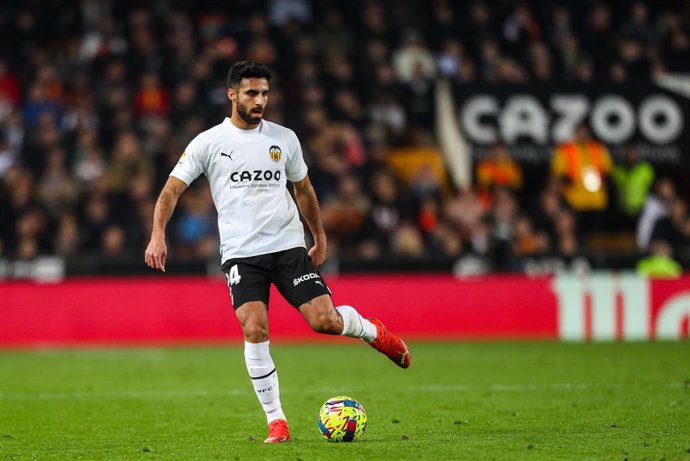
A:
(305, 277)
(318, 283)
(223, 154)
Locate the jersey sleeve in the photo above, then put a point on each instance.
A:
(191, 163)
(295, 168)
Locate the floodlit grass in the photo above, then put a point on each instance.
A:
(457, 401)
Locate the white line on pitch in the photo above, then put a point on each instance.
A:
(171, 393)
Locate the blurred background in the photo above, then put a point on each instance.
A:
(468, 137)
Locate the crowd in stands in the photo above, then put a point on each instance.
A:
(98, 99)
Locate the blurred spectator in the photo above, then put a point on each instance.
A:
(194, 226)
(582, 166)
(385, 111)
(599, 37)
(657, 206)
(93, 222)
(32, 233)
(185, 103)
(280, 12)
(128, 160)
(527, 241)
(674, 228)
(632, 178)
(425, 183)
(7, 157)
(571, 57)
(9, 86)
(520, 27)
(635, 59)
(384, 215)
(418, 93)
(444, 24)
(413, 60)
(450, 59)
(561, 24)
(90, 166)
(56, 189)
(490, 58)
(660, 262)
(343, 214)
(40, 106)
(446, 241)
(546, 212)
(497, 170)
(541, 62)
(567, 244)
(14, 132)
(502, 217)
(428, 216)
(637, 26)
(67, 241)
(151, 99)
(465, 211)
(334, 33)
(407, 241)
(113, 242)
(676, 51)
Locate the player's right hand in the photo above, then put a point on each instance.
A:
(155, 254)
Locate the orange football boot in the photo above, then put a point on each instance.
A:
(391, 345)
(277, 431)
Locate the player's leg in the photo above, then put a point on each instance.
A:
(253, 316)
(249, 288)
(303, 287)
(322, 317)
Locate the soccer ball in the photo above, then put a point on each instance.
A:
(342, 419)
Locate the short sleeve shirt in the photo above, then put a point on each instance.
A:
(247, 171)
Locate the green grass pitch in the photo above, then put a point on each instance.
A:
(505, 400)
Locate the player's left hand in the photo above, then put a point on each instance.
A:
(317, 253)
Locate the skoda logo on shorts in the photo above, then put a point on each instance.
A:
(305, 277)
(275, 153)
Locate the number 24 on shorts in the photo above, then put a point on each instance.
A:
(234, 275)
(234, 278)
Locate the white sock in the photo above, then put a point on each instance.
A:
(264, 377)
(356, 326)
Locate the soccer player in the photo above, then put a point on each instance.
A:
(248, 162)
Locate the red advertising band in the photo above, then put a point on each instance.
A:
(197, 309)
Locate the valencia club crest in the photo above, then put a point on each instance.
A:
(275, 153)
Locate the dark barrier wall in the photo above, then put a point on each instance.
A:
(197, 309)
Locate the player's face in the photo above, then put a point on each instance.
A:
(250, 99)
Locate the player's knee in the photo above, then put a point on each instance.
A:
(255, 332)
(326, 322)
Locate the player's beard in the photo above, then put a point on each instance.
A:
(246, 115)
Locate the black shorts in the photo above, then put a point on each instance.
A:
(291, 271)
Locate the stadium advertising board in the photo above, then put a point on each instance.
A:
(532, 119)
(600, 307)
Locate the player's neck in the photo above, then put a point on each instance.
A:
(238, 122)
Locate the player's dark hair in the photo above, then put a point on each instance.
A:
(247, 69)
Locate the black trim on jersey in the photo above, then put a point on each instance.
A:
(266, 375)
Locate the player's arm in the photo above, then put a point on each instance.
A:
(309, 207)
(156, 252)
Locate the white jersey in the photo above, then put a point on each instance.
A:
(248, 171)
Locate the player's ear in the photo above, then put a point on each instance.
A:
(232, 95)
